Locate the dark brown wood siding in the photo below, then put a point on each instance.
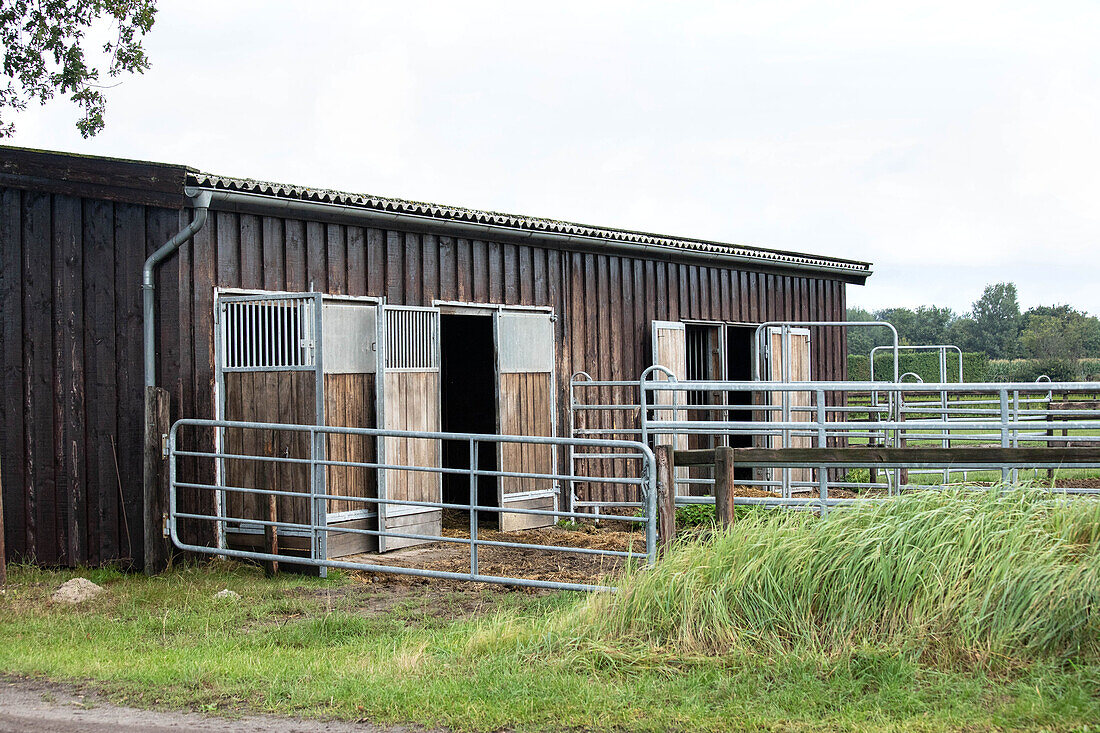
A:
(71, 371)
(70, 323)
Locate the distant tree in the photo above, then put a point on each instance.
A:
(46, 52)
(997, 316)
(862, 340)
(931, 324)
(963, 332)
(1059, 332)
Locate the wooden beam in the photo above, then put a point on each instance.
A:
(666, 495)
(723, 486)
(155, 479)
(3, 556)
(994, 455)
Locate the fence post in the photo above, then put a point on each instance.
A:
(723, 486)
(271, 537)
(155, 472)
(666, 495)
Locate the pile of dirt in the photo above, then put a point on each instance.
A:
(77, 590)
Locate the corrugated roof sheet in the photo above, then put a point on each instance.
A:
(524, 223)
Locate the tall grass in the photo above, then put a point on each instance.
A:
(975, 576)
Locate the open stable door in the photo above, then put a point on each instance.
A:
(410, 401)
(670, 351)
(790, 362)
(525, 406)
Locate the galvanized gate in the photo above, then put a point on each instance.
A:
(640, 478)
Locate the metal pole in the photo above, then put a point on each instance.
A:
(473, 506)
(1004, 429)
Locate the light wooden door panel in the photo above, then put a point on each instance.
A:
(525, 404)
(670, 351)
(410, 399)
(797, 369)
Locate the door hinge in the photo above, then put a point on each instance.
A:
(164, 445)
(164, 525)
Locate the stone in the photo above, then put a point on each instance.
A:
(227, 594)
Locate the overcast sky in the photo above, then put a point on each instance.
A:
(951, 145)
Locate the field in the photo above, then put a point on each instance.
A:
(931, 612)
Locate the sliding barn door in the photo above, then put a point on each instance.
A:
(670, 351)
(410, 401)
(790, 362)
(525, 404)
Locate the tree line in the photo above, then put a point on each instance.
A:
(994, 326)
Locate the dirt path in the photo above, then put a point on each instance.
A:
(33, 706)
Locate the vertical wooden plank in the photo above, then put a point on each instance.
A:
(414, 292)
(429, 267)
(68, 286)
(395, 268)
(316, 257)
(337, 260)
(252, 253)
(12, 441)
(496, 272)
(101, 400)
(229, 249)
(3, 532)
(356, 261)
(129, 254)
(274, 254)
(376, 262)
(540, 294)
(206, 245)
(510, 257)
(448, 283)
(479, 255)
(38, 371)
(639, 298)
(297, 277)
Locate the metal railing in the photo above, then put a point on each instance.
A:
(801, 414)
(314, 468)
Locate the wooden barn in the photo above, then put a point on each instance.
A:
(298, 305)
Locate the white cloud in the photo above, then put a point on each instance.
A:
(952, 144)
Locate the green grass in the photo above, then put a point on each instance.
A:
(968, 611)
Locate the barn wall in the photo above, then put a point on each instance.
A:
(70, 330)
(71, 371)
(604, 303)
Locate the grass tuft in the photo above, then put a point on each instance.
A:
(989, 578)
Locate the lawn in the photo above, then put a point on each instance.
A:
(846, 629)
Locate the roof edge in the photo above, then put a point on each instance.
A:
(527, 226)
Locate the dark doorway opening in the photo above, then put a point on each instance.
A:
(468, 403)
(739, 356)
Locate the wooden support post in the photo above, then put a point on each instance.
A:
(723, 486)
(3, 555)
(155, 492)
(666, 495)
(271, 537)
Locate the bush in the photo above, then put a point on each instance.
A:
(924, 363)
(976, 576)
(1028, 370)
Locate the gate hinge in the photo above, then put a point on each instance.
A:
(164, 525)
(164, 445)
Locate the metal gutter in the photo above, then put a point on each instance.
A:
(243, 202)
(200, 200)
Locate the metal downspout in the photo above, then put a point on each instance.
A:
(201, 203)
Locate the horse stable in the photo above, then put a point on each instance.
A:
(237, 299)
